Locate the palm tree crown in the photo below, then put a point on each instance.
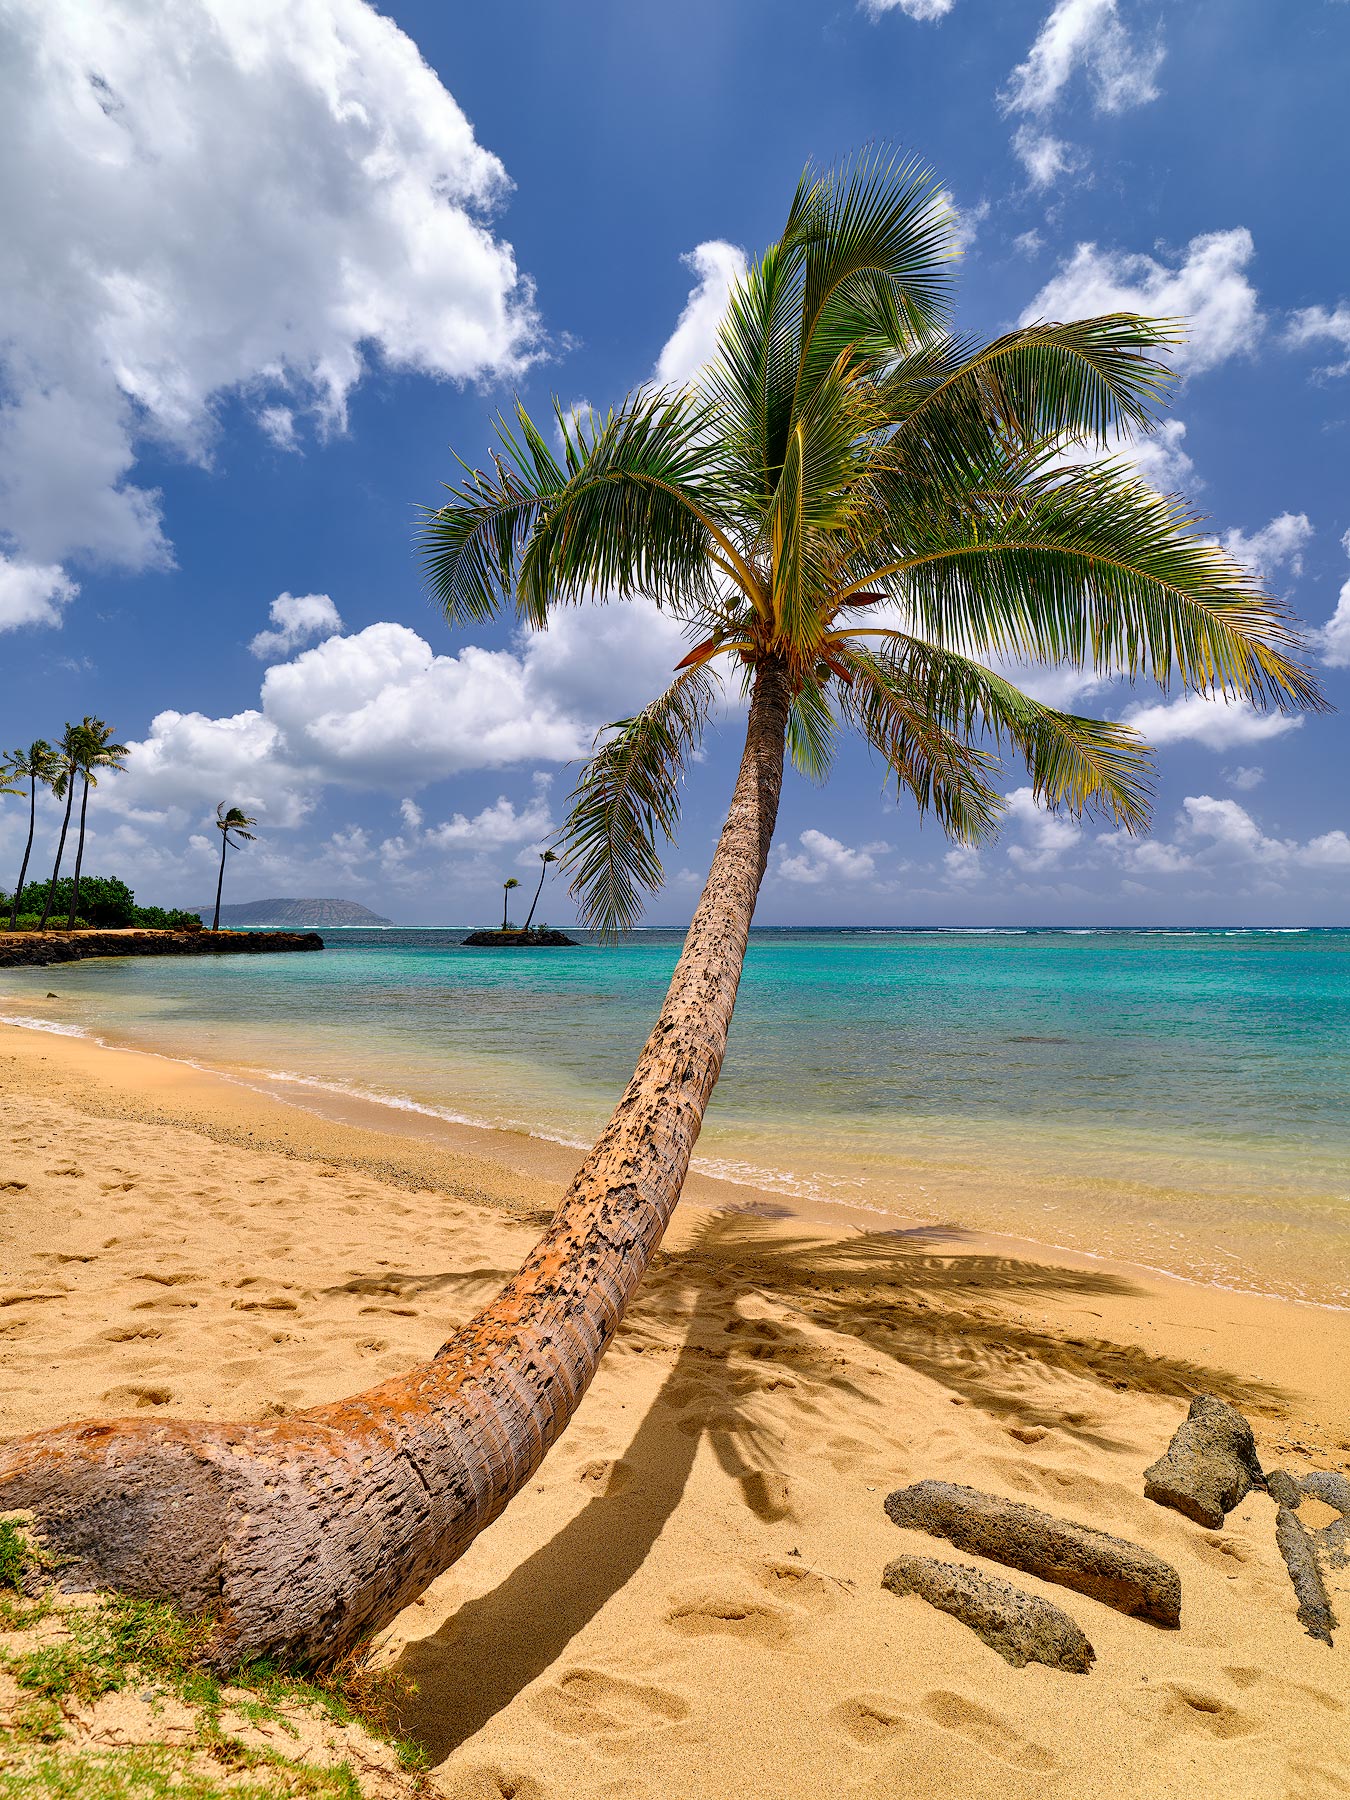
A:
(883, 509)
(233, 822)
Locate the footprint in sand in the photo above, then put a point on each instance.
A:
(131, 1395)
(730, 1615)
(800, 1586)
(587, 1703)
(484, 1782)
(988, 1731)
(605, 1477)
(1187, 1708)
(871, 1719)
(129, 1334)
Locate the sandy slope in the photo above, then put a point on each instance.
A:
(687, 1600)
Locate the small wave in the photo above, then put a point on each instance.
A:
(52, 1025)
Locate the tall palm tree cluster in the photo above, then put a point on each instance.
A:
(85, 752)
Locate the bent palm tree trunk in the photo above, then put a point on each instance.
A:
(60, 851)
(220, 881)
(27, 852)
(303, 1533)
(79, 857)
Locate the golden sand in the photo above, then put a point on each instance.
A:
(686, 1601)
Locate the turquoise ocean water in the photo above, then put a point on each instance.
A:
(1178, 1098)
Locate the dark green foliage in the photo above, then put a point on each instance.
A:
(106, 904)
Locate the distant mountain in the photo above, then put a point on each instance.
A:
(294, 914)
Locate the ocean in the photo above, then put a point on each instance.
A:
(1179, 1099)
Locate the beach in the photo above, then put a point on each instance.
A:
(687, 1599)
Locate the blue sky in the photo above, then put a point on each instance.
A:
(263, 267)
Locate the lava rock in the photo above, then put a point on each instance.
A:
(1300, 1558)
(1022, 1627)
(1284, 1488)
(1210, 1464)
(1110, 1569)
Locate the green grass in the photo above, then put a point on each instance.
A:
(146, 1645)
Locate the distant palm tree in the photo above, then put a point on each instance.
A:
(98, 752)
(229, 819)
(546, 857)
(507, 885)
(38, 765)
(69, 756)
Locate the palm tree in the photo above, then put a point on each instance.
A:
(70, 754)
(38, 765)
(507, 887)
(546, 857)
(846, 458)
(229, 820)
(97, 752)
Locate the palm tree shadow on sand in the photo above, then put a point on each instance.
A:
(897, 1293)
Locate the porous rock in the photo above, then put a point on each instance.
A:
(1210, 1464)
(1022, 1627)
(1300, 1558)
(1284, 1489)
(1110, 1569)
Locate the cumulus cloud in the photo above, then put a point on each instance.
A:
(1229, 829)
(718, 266)
(1160, 458)
(253, 200)
(296, 618)
(962, 865)
(825, 859)
(1046, 838)
(381, 709)
(1276, 546)
(1217, 723)
(1334, 638)
(1044, 156)
(33, 593)
(1245, 777)
(1084, 35)
(496, 825)
(1208, 289)
(1320, 325)
(916, 9)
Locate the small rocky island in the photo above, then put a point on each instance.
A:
(541, 938)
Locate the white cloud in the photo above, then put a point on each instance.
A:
(1086, 35)
(1334, 636)
(1044, 156)
(962, 864)
(1245, 777)
(1318, 325)
(1029, 243)
(1213, 721)
(297, 618)
(380, 709)
(496, 825)
(964, 223)
(1159, 458)
(1274, 546)
(826, 859)
(718, 266)
(216, 198)
(33, 593)
(916, 9)
(411, 814)
(1048, 838)
(1208, 289)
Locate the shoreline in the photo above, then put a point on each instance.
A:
(695, 1569)
(537, 1153)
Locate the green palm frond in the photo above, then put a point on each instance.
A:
(811, 731)
(1092, 568)
(626, 797)
(1079, 764)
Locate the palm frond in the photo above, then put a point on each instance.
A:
(626, 797)
(810, 731)
(1075, 763)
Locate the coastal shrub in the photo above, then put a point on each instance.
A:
(106, 904)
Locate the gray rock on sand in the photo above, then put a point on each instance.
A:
(1209, 1465)
(1118, 1573)
(1332, 1542)
(1022, 1627)
(1284, 1488)
(1300, 1558)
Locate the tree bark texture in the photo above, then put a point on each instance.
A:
(79, 858)
(301, 1535)
(27, 852)
(220, 881)
(60, 852)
